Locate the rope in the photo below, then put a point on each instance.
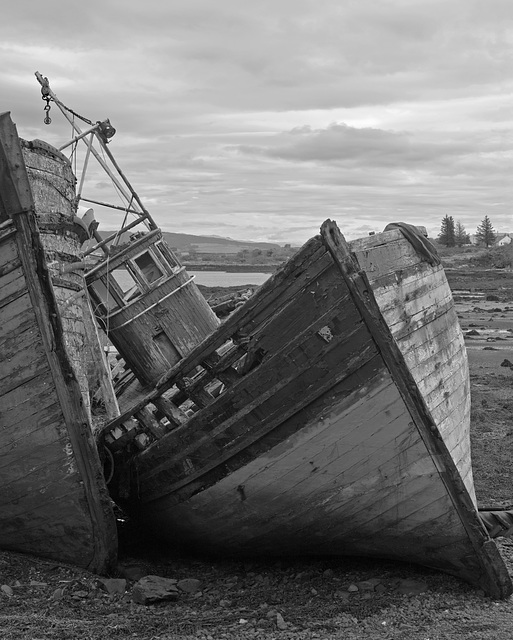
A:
(110, 457)
(74, 113)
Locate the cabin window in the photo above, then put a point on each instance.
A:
(126, 283)
(167, 348)
(106, 295)
(168, 256)
(148, 266)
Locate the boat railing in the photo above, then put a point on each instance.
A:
(194, 385)
(233, 350)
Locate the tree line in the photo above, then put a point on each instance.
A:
(453, 234)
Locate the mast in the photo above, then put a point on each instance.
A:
(144, 300)
(101, 132)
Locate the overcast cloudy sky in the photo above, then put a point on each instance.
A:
(258, 120)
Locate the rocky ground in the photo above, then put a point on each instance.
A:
(345, 598)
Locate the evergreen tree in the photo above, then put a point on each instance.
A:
(461, 237)
(485, 232)
(446, 235)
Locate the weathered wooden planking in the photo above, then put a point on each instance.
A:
(174, 309)
(413, 282)
(419, 311)
(349, 503)
(19, 319)
(38, 438)
(316, 443)
(313, 305)
(439, 389)
(53, 498)
(57, 525)
(410, 392)
(414, 314)
(34, 435)
(21, 405)
(288, 373)
(278, 513)
(12, 286)
(15, 350)
(9, 259)
(7, 266)
(284, 286)
(287, 318)
(15, 314)
(19, 367)
(265, 422)
(383, 255)
(23, 465)
(286, 506)
(263, 415)
(332, 473)
(414, 301)
(424, 343)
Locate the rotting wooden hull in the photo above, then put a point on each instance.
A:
(343, 428)
(417, 305)
(53, 499)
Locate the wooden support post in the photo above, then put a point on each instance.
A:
(99, 362)
(200, 396)
(149, 422)
(173, 413)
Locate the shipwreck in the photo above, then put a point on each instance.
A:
(54, 501)
(328, 415)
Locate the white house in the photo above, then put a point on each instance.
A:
(505, 239)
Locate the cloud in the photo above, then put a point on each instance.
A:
(265, 118)
(347, 145)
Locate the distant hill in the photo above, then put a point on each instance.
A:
(212, 244)
(184, 242)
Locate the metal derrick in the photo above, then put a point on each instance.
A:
(101, 132)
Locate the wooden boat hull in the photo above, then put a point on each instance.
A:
(417, 306)
(327, 443)
(53, 500)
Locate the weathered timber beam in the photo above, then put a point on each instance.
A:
(195, 389)
(150, 423)
(173, 413)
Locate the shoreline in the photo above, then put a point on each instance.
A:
(231, 268)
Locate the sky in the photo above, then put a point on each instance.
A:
(260, 120)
